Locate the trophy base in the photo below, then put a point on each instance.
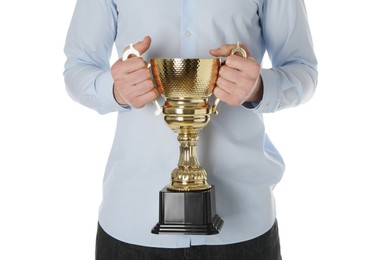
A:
(188, 212)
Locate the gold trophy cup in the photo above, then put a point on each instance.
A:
(187, 204)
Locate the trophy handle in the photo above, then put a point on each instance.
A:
(243, 53)
(240, 50)
(216, 102)
(158, 108)
(133, 51)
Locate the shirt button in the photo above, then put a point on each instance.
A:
(188, 34)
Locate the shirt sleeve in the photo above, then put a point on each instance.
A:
(293, 77)
(88, 48)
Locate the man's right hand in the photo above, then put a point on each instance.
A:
(132, 79)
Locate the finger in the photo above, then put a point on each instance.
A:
(221, 93)
(225, 85)
(229, 73)
(229, 92)
(240, 72)
(242, 64)
(122, 68)
(142, 88)
(146, 98)
(137, 76)
(237, 62)
(225, 96)
(144, 95)
(131, 93)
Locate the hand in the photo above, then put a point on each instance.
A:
(239, 78)
(132, 79)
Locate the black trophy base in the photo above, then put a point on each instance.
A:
(188, 212)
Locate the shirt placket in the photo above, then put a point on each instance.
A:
(187, 28)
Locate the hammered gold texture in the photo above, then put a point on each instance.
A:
(185, 78)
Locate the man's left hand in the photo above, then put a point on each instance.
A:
(239, 78)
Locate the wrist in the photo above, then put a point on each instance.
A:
(257, 94)
(120, 100)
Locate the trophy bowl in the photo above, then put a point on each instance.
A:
(187, 204)
(186, 85)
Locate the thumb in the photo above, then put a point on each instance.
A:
(226, 49)
(222, 51)
(143, 46)
(139, 47)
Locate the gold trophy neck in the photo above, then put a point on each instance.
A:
(189, 175)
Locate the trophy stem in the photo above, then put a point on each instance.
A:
(189, 175)
(188, 150)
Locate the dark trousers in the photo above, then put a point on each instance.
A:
(264, 247)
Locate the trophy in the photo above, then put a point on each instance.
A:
(187, 204)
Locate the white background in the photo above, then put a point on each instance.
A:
(53, 151)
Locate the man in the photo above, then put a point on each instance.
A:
(239, 158)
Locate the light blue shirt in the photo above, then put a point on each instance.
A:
(239, 158)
